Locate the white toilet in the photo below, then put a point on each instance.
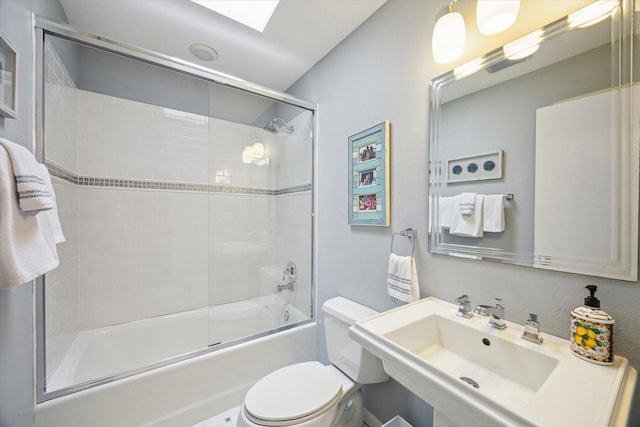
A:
(310, 394)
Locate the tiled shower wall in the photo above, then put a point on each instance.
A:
(168, 217)
(62, 282)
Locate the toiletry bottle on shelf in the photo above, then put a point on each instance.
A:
(592, 331)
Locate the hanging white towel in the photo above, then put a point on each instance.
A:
(467, 225)
(445, 207)
(493, 213)
(467, 203)
(27, 242)
(33, 193)
(402, 283)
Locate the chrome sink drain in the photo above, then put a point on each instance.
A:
(471, 382)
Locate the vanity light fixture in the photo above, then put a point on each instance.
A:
(524, 46)
(495, 16)
(449, 36)
(468, 68)
(247, 154)
(592, 14)
(255, 154)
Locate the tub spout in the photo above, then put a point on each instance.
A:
(289, 286)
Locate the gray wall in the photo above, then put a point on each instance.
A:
(381, 72)
(16, 304)
(16, 313)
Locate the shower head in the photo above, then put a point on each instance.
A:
(274, 126)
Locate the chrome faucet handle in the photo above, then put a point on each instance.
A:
(498, 308)
(464, 306)
(532, 329)
(495, 321)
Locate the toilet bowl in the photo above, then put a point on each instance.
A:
(310, 394)
(306, 394)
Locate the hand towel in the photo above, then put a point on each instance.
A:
(493, 213)
(467, 225)
(402, 283)
(446, 211)
(27, 242)
(33, 194)
(467, 203)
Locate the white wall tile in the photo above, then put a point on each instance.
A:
(145, 253)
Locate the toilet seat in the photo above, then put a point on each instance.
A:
(292, 395)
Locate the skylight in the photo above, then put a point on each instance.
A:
(252, 13)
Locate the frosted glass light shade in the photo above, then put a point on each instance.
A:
(449, 36)
(495, 16)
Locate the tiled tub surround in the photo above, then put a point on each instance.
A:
(167, 217)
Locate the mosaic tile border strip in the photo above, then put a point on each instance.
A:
(142, 184)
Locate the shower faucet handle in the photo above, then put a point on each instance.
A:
(290, 271)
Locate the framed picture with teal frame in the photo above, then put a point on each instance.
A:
(369, 201)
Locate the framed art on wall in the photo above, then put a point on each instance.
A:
(8, 71)
(369, 202)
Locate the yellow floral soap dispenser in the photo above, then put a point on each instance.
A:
(592, 331)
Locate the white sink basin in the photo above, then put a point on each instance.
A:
(476, 375)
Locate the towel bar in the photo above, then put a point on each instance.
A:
(409, 233)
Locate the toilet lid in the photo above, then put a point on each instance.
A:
(293, 393)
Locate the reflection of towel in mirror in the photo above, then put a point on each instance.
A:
(402, 283)
(493, 213)
(446, 211)
(467, 203)
(467, 225)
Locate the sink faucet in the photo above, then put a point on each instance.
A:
(464, 307)
(498, 308)
(532, 329)
(496, 321)
(495, 313)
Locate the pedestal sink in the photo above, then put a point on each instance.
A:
(476, 375)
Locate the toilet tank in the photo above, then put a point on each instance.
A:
(344, 353)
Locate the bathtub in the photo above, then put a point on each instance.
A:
(129, 348)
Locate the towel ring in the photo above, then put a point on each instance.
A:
(409, 233)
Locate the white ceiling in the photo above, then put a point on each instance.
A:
(298, 35)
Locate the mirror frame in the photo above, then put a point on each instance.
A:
(622, 42)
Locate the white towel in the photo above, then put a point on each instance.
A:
(402, 283)
(467, 203)
(493, 213)
(467, 225)
(445, 206)
(33, 193)
(27, 242)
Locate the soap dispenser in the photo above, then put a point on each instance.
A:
(592, 331)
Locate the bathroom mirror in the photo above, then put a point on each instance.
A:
(546, 126)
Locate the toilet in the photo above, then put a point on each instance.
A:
(310, 394)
